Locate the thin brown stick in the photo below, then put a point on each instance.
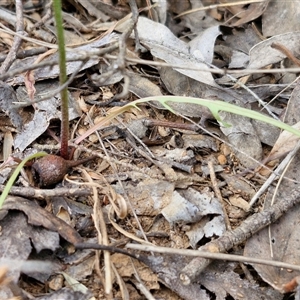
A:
(286, 52)
(29, 192)
(216, 189)
(186, 126)
(187, 252)
(204, 254)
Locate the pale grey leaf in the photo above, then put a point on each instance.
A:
(262, 54)
(164, 45)
(202, 46)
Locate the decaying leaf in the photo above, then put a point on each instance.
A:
(7, 145)
(143, 87)
(286, 142)
(83, 270)
(149, 196)
(253, 11)
(29, 83)
(45, 112)
(197, 21)
(38, 216)
(7, 99)
(164, 45)
(281, 17)
(53, 71)
(191, 206)
(17, 238)
(242, 136)
(258, 59)
(126, 268)
(201, 211)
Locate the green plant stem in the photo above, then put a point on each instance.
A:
(15, 174)
(64, 133)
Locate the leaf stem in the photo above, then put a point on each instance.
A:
(64, 132)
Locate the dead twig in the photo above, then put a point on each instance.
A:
(217, 192)
(274, 174)
(210, 70)
(286, 52)
(200, 254)
(29, 192)
(135, 16)
(17, 40)
(186, 252)
(239, 235)
(83, 55)
(26, 53)
(186, 126)
(47, 16)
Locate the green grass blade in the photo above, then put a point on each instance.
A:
(215, 106)
(15, 174)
